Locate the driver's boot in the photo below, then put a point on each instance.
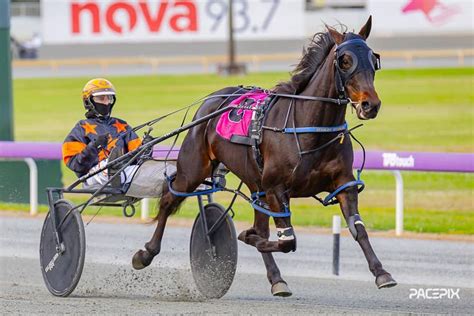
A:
(219, 174)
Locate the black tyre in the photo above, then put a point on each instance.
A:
(213, 267)
(62, 271)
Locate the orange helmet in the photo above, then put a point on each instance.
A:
(96, 87)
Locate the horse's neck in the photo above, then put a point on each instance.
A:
(322, 84)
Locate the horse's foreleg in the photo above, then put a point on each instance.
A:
(348, 201)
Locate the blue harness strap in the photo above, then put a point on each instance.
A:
(213, 189)
(331, 198)
(257, 205)
(316, 129)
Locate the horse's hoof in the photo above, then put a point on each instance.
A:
(141, 259)
(281, 289)
(385, 281)
(286, 246)
(242, 236)
(245, 233)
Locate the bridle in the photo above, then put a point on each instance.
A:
(359, 51)
(363, 59)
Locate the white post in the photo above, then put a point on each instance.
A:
(33, 185)
(145, 209)
(336, 224)
(336, 233)
(399, 203)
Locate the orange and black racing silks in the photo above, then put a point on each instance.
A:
(92, 139)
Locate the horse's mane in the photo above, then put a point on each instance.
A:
(314, 55)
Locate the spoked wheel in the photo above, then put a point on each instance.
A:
(62, 269)
(213, 265)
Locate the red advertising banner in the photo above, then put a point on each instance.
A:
(92, 21)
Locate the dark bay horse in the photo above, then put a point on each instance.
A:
(333, 66)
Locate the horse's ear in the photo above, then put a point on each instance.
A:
(365, 30)
(335, 35)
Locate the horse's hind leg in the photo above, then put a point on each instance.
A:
(261, 230)
(191, 173)
(258, 236)
(279, 286)
(168, 204)
(348, 201)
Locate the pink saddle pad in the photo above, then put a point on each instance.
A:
(237, 121)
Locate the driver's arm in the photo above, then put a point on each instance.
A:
(132, 140)
(80, 153)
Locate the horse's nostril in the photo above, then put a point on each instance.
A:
(365, 105)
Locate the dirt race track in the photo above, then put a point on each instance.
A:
(109, 285)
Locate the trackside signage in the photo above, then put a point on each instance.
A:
(416, 161)
(416, 17)
(394, 160)
(113, 21)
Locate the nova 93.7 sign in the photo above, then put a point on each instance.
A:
(99, 21)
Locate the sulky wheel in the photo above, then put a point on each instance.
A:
(62, 269)
(213, 266)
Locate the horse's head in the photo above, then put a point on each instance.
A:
(355, 65)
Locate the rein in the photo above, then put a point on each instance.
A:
(339, 101)
(343, 128)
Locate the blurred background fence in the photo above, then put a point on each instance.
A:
(255, 62)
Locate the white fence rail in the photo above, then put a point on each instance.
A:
(33, 171)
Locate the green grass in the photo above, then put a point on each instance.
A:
(422, 110)
(427, 110)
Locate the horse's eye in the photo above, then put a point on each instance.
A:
(345, 61)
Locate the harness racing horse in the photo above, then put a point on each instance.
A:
(334, 66)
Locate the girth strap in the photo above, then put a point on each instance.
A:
(315, 129)
(214, 187)
(256, 127)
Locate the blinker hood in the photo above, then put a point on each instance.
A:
(363, 58)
